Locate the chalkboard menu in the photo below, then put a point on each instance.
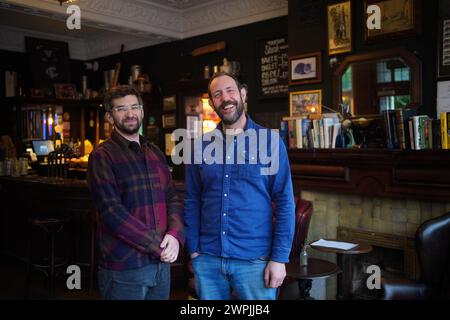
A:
(273, 67)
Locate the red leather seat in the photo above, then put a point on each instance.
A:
(303, 213)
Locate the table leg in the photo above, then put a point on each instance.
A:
(340, 277)
(304, 286)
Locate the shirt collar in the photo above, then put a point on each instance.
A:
(125, 143)
(250, 124)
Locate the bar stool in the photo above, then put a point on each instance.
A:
(51, 263)
(88, 218)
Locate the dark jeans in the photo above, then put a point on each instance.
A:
(151, 282)
(215, 277)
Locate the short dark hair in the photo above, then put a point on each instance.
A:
(120, 92)
(221, 74)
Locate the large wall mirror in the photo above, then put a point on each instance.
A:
(372, 82)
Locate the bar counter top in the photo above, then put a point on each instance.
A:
(33, 180)
(23, 197)
(38, 181)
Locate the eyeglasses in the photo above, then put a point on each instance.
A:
(123, 109)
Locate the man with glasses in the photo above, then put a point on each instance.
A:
(140, 228)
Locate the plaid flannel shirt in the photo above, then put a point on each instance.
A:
(138, 204)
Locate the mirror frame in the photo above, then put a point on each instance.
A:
(410, 59)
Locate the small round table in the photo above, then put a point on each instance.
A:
(316, 269)
(359, 249)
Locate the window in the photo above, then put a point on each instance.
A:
(394, 102)
(347, 80)
(401, 74)
(383, 73)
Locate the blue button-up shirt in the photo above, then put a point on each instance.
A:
(232, 207)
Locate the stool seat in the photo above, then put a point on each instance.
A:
(49, 223)
(46, 221)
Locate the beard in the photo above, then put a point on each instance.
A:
(231, 118)
(129, 128)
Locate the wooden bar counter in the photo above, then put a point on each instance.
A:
(31, 195)
(25, 196)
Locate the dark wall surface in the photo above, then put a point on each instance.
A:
(19, 62)
(168, 62)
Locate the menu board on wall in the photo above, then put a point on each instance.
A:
(273, 67)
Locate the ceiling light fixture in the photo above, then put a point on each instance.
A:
(63, 1)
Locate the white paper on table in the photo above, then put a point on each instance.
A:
(334, 244)
(443, 97)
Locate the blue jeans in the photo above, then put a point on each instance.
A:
(216, 277)
(151, 282)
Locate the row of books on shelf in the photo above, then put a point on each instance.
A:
(303, 133)
(417, 132)
(403, 129)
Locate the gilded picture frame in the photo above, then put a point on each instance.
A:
(339, 28)
(399, 18)
(307, 103)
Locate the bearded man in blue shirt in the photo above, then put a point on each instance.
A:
(239, 207)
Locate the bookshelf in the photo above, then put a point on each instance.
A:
(86, 118)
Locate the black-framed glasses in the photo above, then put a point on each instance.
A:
(123, 109)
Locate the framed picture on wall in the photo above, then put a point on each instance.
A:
(49, 61)
(399, 18)
(37, 93)
(305, 68)
(444, 49)
(65, 91)
(169, 144)
(339, 17)
(169, 103)
(169, 120)
(305, 103)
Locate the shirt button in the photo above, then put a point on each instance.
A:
(226, 176)
(229, 157)
(224, 214)
(225, 195)
(223, 232)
